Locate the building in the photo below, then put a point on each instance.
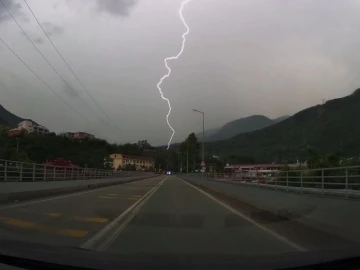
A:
(14, 132)
(32, 127)
(82, 135)
(120, 161)
(78, 135)
(60, 162)
(253, 167)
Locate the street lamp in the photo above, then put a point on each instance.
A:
(203, 141)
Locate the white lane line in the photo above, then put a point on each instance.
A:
(261, 227)
(101, 241)
(67, 196)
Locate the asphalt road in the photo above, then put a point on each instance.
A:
(153, 216)
(70, 219)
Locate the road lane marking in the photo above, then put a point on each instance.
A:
(106, 197)
(236, 212)
(56, 215)
(76, 218)
(42, 228)
(90, 219)
(19, 223)
(105, 237)
(107, 243)
(70, 195)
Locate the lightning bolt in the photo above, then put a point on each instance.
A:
(169, 69)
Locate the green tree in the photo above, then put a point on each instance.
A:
(191, 148)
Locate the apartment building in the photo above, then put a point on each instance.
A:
(32, 127)
(120, 160)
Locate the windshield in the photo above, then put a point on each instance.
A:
(187, 127)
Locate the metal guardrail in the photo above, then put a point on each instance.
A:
(336, 182)
(15, 171)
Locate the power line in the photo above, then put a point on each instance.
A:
(37, 76)
(72, 71)
(47, 61)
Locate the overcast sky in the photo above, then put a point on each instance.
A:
(242, 57)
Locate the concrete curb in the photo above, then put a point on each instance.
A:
(9, 198)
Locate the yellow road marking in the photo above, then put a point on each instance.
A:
(41, 213)
(18, 223)
(53, 214)
(56, 215)
(89, 219)
(42, 228)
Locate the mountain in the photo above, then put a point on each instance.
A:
(10, 118)
(242, 125)
(208, 134)
(328, 128)
(280, 119)
(3, 122)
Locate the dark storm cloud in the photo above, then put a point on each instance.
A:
(116, 7)
(38, 40)
(12, 6)
(249, 57)
(71, 91)
(52, 29)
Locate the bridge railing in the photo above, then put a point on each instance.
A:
(339, 181)
(15, 171)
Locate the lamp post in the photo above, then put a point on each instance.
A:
(203, 144)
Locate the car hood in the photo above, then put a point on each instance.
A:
(77, 257)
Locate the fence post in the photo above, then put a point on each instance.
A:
(322, 182)
(346, 182)
(33, 172)
(287, 181)
(21, 170)
(301, 182)
(5, 170)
